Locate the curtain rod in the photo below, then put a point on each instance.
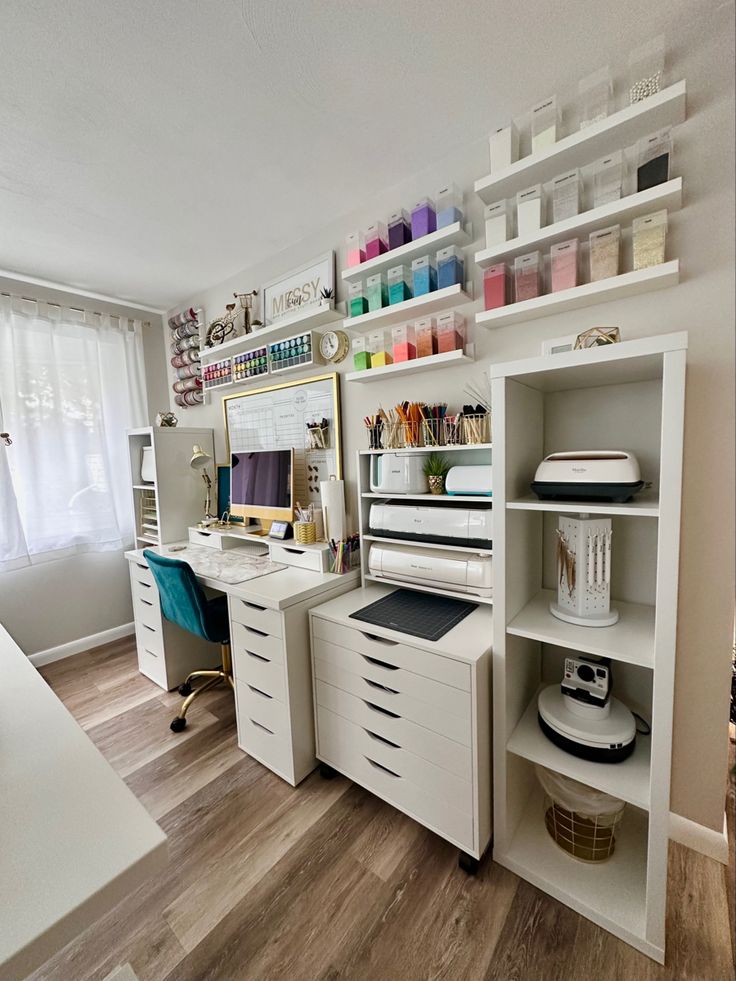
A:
(60, 306)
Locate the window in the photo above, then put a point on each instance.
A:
(71, 383)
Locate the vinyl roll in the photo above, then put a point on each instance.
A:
(332, 494)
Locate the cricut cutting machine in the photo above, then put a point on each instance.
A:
(449, 525)
(472, 574)
(588, 475)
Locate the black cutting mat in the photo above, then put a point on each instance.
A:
(419, 614)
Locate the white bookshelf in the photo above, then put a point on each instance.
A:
(177, 493)
(614, 288)
(619, 130)
(467, 454)
(628, 395)
(668, 196)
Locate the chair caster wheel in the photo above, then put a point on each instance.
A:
(185, 689)
(178, 725)
(327, 772)
(468, 864)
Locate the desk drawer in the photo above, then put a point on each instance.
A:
(253, 639)
(386, 672)
(371, 765)
(212, 539)
(256, 704)
(265, 745)
(303, 558)
(257, 670)
(431, 746)
(142, 590)
(253, 615)
(389, 697)
(419, 660)
(139, 572)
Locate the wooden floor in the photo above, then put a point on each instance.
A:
(326, 882)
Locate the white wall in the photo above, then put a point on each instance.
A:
(701, 235)
(46, 605)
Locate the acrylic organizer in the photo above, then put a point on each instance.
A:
(529, 210)
(376, 291)
(380, 354)
(528, 276)
(496, 286)
(403, 346)
(449, 205)
(653, 155)
(503, 145)
(423, 275)
(250, 364)
(450, 332)
(399, 289)
(344, 556)
(318, 436)
(584, 572)
(567, 192)
(646, 70)
(608, 179)
(545, 123)
(376, 240)
(450, 267)
(595, 93)
(361, 355)
(357, 299)
(498, 223)
(355, 248)
(453, 430)
(563, 265)
(604, 246)
(649, 235)
(476, 428)
(423, 218)
(425, 337)
(399, 229)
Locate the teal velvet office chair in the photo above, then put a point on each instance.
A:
(183, 602)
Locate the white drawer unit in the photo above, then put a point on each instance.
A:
(166, 653)
(408, 719)
(313, 557)
(213, 539)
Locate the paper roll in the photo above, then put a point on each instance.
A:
(332, 494)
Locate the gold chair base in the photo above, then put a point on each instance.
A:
(213, 678)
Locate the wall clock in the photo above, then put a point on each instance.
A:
(334, 345)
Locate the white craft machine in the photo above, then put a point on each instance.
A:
(472, 574)
(449, 525)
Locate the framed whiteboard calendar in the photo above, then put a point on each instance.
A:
(279, 417)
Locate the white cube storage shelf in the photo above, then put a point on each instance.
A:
(626, 396)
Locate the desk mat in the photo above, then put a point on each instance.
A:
(419, 614)
(228, 566)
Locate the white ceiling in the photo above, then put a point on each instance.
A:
(151, 149)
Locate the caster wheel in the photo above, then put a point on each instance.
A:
(185, 689)
(326, 772)
(178, 725)
(468, 864)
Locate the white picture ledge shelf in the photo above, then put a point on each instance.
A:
(418, 306)
(445, 360)
(454, 234)
(316, 315)
(667, 196)
(621, 129)
(614, 288)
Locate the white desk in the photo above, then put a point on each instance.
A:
(75, 840)
(269, 634)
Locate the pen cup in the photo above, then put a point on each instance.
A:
(453, 430)
(375, 435)
(305, 532)
(411, 433)
(343, 556)
(432, 432)
(317, 438)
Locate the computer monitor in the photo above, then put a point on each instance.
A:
(262, 484)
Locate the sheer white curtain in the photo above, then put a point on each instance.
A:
(71, 383)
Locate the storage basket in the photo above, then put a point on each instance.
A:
(305, 532)
(477, 428)
(581, 820)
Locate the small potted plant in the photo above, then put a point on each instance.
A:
(435, 470)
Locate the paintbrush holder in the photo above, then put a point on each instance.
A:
(433, 432)
(476, 428)
(584, 572)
